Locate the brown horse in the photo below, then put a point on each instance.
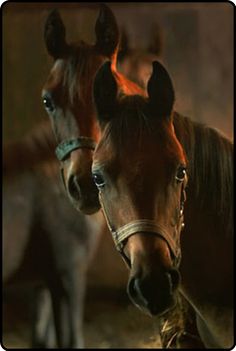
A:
(67, 97)
(148, 161)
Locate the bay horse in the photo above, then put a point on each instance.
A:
(159, 174)
(68, 100)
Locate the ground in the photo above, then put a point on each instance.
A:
(110, 322)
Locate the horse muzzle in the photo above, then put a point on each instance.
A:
(154, 277)
(83, 194)
(78, 181)
(155, 292)
(153, 257)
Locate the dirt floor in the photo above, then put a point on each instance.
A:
(110, 322)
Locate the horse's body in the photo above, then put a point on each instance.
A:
(48, 245)
(140, 170)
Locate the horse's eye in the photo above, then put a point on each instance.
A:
(48, 104)
(181, 173)
(98, 180)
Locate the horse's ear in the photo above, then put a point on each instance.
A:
(105, 93)
(160, 92)
(107, 32)
(55, 35)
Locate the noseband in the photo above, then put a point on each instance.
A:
(65, 148)
(147, 226)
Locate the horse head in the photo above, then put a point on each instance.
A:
(67, 97)
(139, 168)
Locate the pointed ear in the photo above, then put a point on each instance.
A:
(107, 32)
(54, 35)
(160, 92)
(105, 93)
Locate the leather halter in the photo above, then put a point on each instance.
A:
(64, 149)
(147, 226)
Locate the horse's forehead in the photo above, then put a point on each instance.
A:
(145, 155)
(134, 155)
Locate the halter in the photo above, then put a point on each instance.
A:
(64, 149)
(149, 227)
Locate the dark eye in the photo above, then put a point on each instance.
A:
(48, 103)
(181, 173)
(98, 180)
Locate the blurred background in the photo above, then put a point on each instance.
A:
(195, 43)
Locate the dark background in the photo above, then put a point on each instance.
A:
(197, 50)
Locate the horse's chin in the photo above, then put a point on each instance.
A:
(157, 308)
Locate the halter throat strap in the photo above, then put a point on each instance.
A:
(64, 149)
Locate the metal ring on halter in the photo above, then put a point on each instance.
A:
(66, 147)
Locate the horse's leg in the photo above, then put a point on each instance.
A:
(42, 329)
(67, 292)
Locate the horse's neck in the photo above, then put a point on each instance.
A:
(35, 148)
(208, 209)
(210, 168)
(206, 241)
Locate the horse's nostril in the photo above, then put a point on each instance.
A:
(175, 278)
(73, 187)
(135, 293)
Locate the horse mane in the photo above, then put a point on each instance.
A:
(210, 167)
(78, 69)
(34, 149)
